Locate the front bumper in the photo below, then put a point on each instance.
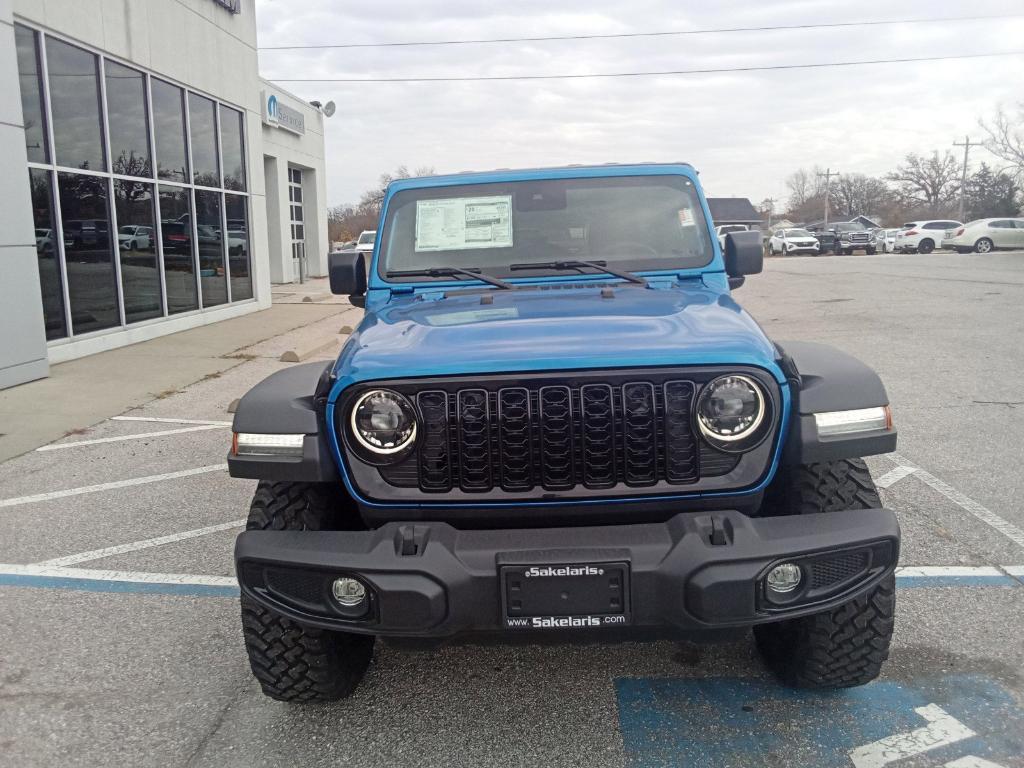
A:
(695, 571)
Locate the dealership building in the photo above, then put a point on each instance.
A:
(152, 181)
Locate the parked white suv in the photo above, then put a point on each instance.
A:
(986, 235)
(923, 236)
(786, 241)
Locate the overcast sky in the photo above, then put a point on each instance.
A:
(743, 131)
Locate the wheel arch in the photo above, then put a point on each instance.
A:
(823, 379)
(287, 402)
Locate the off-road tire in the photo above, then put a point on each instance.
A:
(291, 661)
(847, 645)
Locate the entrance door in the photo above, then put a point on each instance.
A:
(297, 225)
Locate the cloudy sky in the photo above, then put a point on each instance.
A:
(744, 131)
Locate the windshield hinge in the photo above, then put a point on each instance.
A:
(401, 289)
(661, 284)
(431, 295)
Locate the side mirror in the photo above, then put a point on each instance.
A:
(744, 255)
(347, 270)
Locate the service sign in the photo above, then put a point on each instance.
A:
(281, 115)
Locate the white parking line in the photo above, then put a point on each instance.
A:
(135, 546)
(110, 486)
(1005, 527)
(105, 575)
(942, 729)
(932, 571)
(159, 420)
(120, 438)
(893, 476)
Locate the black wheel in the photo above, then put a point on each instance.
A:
(847, 645)
(926, 246)
(871, 251)
(294, 662)
(984, 245)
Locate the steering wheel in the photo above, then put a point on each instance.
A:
(627, 248)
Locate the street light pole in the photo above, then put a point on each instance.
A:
(828, 174)
(966, 144)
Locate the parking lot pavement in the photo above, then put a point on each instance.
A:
(119, 618)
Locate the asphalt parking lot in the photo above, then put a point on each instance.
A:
(119, 618)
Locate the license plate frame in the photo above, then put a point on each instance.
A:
(552, 596)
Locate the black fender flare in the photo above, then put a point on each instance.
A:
(288, 402)
(823, 378)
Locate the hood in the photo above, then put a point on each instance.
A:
(554, 327)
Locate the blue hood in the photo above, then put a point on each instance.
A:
(551, 328)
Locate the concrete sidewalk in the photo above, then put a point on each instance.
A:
(81, 392)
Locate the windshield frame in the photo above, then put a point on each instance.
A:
(714, 263)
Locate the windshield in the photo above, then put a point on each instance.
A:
(367, 237)
(848, 226)
(798, 233)
(629, 222)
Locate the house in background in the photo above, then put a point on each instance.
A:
(733, 210)
(868, 222)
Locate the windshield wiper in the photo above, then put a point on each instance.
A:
(577, 264)
(473, 272)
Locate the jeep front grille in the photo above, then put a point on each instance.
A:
(556, 437)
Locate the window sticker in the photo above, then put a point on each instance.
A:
(686, 217)
(461, 223)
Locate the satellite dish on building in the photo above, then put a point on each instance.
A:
(329, 108)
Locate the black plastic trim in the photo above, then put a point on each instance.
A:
(695, 571)
(287, 402)
(824, 379)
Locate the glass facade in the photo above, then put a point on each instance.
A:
(138, 187)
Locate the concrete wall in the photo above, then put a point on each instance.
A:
(22, 335)
(197, 44)
(288, 149)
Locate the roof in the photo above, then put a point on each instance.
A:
(560, 172)
(732, 209)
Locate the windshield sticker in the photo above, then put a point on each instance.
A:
(464, 222)
(473, 316)
(686, 217)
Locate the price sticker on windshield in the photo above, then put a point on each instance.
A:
(461, 223)
(686, 217)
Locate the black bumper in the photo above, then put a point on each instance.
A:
(695, 571)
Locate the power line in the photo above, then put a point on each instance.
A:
(708, 71)
(621, 35)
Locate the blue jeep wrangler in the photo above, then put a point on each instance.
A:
(555, 419)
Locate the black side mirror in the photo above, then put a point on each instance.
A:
(744, 255)
(347, 270)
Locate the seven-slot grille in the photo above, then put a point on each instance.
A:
(557, 436)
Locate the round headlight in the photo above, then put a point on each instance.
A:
(383, 422)
(730, 409)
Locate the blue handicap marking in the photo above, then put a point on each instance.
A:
(958, 720)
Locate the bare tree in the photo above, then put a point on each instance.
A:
(345, 222)
(930, 181)
(1004, 138)
(856, 193)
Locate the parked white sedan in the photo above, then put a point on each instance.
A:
(788, 241)
(986, 235)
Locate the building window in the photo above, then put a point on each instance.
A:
(169, 131)
(136, 242)
(75, 106)
(114, 247)
(203, 126)
(298, 231)
(126, 116)
(48, 253)
(27, 43)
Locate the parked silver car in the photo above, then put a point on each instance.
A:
(985, 235)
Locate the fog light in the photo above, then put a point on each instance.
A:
(784, 578)
(348, 592)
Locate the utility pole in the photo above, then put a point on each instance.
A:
(966, 144)
(769, 205)
(828, 174)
